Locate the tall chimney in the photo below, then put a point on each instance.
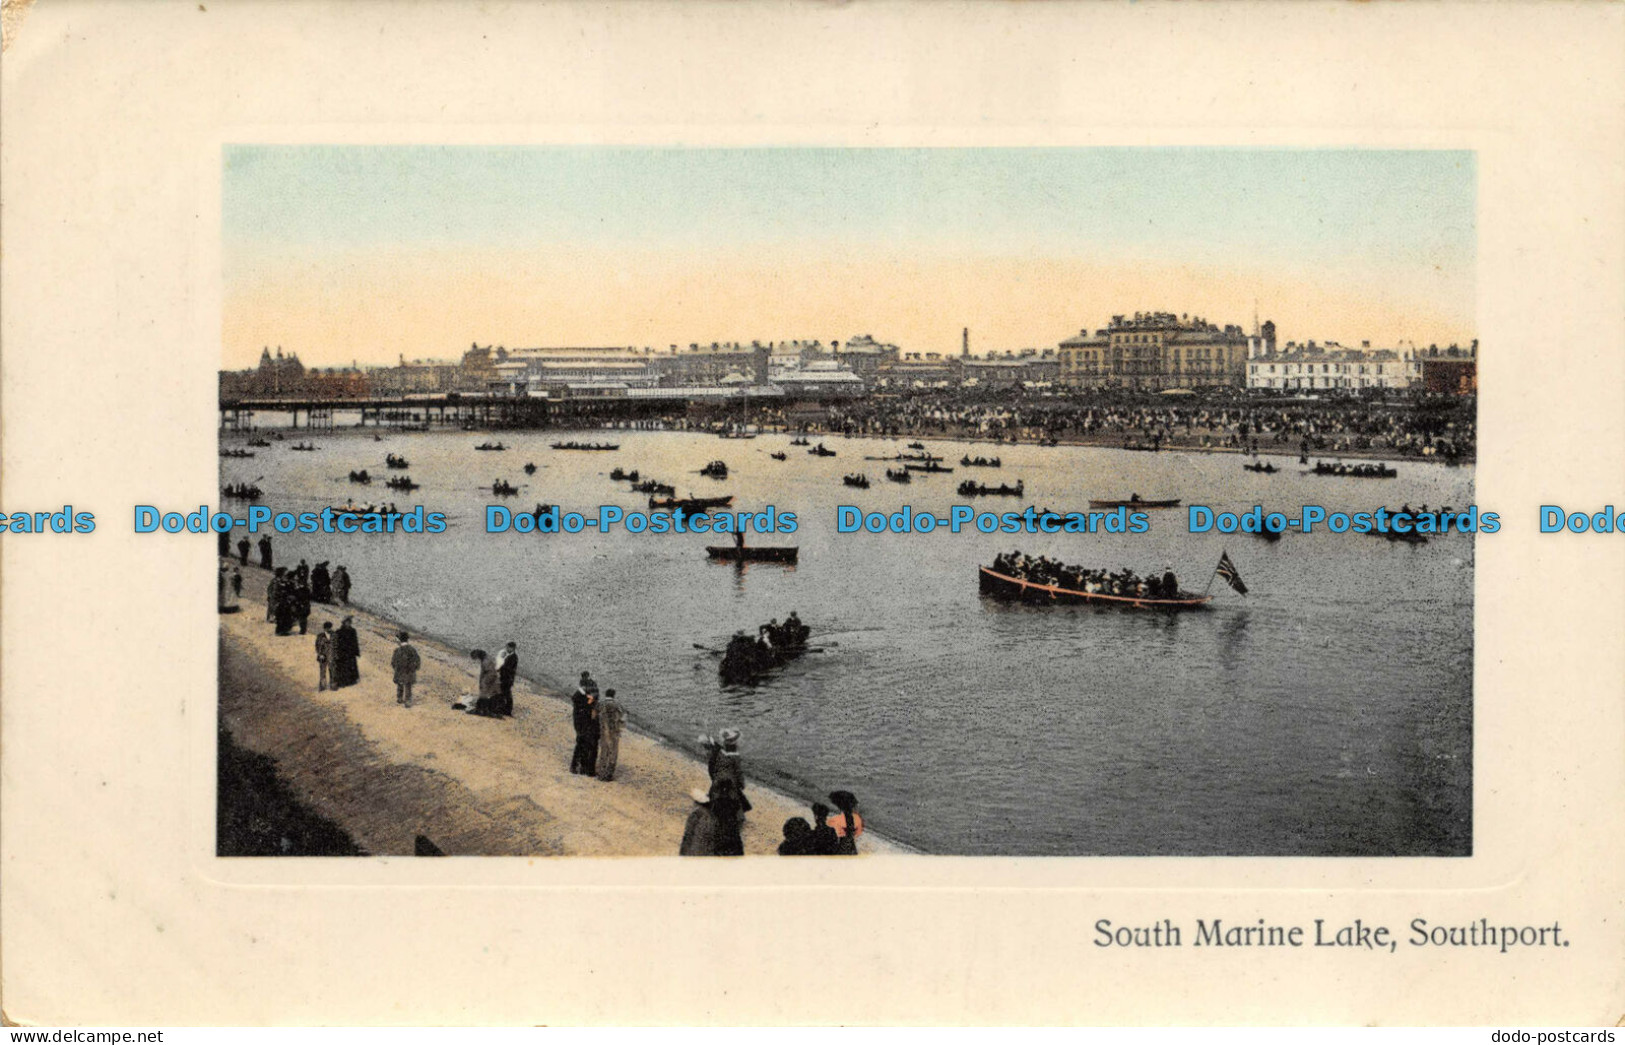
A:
(964, 343)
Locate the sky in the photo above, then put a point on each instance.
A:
(370, 253)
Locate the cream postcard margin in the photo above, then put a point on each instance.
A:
(115, 909)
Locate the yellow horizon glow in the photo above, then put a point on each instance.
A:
(374, 306)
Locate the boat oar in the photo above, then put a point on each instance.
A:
(708, 649)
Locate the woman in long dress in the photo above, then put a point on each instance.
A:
(346, 655)
(485, 703)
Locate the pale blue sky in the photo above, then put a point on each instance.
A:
(1280, 206)
(368, 252)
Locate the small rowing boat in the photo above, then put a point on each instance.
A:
(730, 553)
(691, 504)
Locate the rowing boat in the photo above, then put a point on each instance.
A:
(730, 553)
(1003, 586)
(691, 504)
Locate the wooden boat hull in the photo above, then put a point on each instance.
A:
(696, 504)
(730, 553)
(741, 668)
(1000, 586)
(929, 469)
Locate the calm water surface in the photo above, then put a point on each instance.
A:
(1329, 712)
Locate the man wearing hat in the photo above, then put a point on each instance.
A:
(584, 715)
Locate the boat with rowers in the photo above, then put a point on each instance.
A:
(901, 475)
(821, 451)
(1354, 471)
(572, 445)
(652, 486)
(236, 453)
(1135, 501)
(403, 482)
(371, 509)
(1004, 586)
(1261, 467)
(859, 480)
(691, 505)
(800, 440)
(929, 467)
(779, 456)
(490, 446)
(979, 462)
(746, 659)
(970, 488)
(304, 447)
(618, 474)
(715, 470)
(743, 553)
(530, 467)
(396, 461)
(242, 491)
(360, 477)
(503, 488)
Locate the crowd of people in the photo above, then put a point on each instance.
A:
(1044, 570)
(713, 828)
(714, 825)
(1229, 418)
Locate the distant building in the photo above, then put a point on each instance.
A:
(1312, 367)
(1451, 371)
(1155, 350)
(1027, 368)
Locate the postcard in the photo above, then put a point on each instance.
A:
(458, 464)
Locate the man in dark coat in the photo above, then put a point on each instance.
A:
(301, 605)
(507, 668)
(341, 585)
(346, 654)
(286, 603)
(242, 551)
(265, 552)
(225, 544)
(321, 583)
(584, 715)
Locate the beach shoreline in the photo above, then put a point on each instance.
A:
(469, 785)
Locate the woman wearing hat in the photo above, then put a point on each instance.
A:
(849, 825)
(723, 762)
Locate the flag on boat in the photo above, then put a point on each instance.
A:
(1227, 570)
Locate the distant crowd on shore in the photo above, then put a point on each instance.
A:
(713, 827)
(1425, 426)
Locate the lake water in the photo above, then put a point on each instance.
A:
(1328, 712)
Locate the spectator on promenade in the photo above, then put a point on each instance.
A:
(321, 583)
(722, 760)
(823, 841)
(507, 668)
(346, 655)
(611, 720)
(584, 716)
(265, 552)
(301, 604)
(797, 838)
(849, 826)
(242, 551)
(341, 585)
(700, 831)
(324, 656)
(405, 662)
